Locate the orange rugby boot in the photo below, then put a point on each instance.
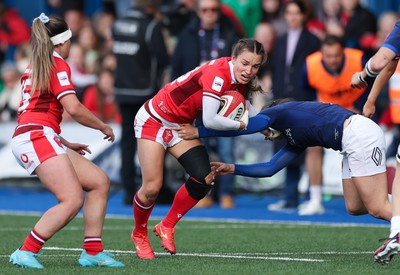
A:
(142, 245)
(166, 235)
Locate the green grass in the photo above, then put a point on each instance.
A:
(210, 248)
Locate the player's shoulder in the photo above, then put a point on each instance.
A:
(60, 63)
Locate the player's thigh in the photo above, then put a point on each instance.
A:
(182, 147)
(59, 177)
(151, 159)
(89, 174)
(351, 196)
(372, 189)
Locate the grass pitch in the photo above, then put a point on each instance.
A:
(210, 248)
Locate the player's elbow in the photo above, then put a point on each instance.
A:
(74, 109)
(377, 65)
(209, 124)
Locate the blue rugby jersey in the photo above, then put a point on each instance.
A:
(392, 42)
(303, 124)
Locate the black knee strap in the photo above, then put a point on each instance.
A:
(197, 190)
(197, 164)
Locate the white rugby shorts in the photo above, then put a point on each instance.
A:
(34, 144)
(363, 148)
(149, 125)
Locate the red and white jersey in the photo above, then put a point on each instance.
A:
(44, 108)
(181, 100)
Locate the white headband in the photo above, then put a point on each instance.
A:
(61, 37)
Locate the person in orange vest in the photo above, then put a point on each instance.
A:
(328, 73)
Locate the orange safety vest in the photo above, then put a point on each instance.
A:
(394, 95)
(335, 89)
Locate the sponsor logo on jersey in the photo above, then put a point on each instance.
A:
(288, 133)
(63, 78)
(217, 84)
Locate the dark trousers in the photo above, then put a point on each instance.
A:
(129, 177)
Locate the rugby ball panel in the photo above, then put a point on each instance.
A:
(232, 105)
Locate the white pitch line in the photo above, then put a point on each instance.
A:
(206, 255)
(254, 256)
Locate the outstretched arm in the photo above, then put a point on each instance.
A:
(373, 67)
(256, 124)
(188, 131)
(259, 170)
(83, 116)
(381, 80)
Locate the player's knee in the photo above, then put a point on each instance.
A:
(72, 204)
(196, 189)
(356, 211)
(380, 212)
(151, 191)
(104, 183)
(196, 163)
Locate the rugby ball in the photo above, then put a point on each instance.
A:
(232, 105)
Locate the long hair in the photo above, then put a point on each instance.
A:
(42, 61)
(256, 47)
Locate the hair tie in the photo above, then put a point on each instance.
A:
(42, 17)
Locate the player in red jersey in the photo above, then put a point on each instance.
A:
(182, 101)
(38, 147)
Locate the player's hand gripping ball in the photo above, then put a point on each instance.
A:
(233, 105)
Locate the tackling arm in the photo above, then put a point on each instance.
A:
(256, 124)
(380, 82)
(267, 169)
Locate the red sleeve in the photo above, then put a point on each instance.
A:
(60, 82)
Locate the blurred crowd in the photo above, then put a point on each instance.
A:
(92, 56)
(193, 35)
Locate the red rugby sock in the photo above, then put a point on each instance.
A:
(33, 242)
(182, 203)
(93, 245)
(141, 214)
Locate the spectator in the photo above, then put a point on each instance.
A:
(356, 21)
(109, 61)
(80, 75)
(330, 16)
(100, 99)
(73, 13)
(272, 12)
(90, 42)
(178, 15)
(14, 31)
(141, 55)
(10, 95)
(249, 13)
(266, 35)
(21, 57)
(328, 72)
(290, 52)
(102, 23)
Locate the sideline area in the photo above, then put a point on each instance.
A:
(249, 207)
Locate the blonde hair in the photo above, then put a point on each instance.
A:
(251, 45)
(42, 61)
